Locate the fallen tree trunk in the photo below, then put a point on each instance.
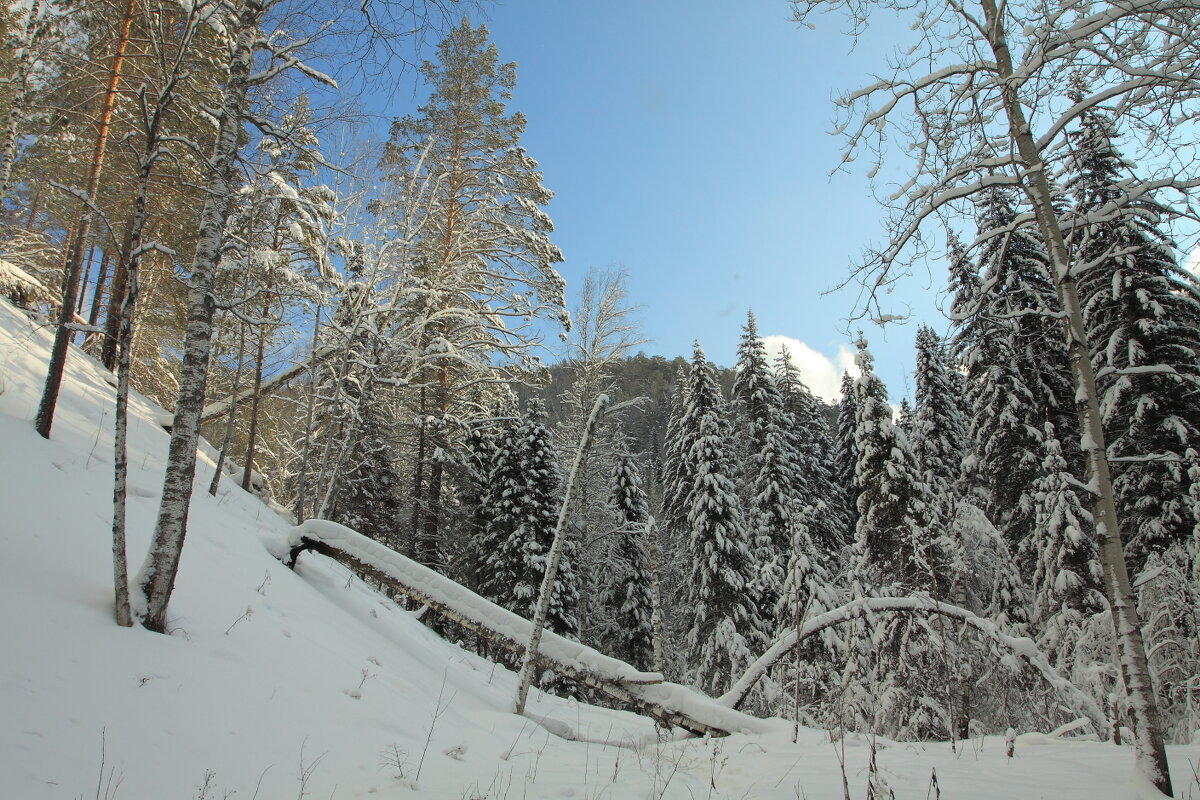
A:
(219, 407)
(644, 692)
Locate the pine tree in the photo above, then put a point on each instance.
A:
(938, 436)
(846, 454)
(892, 555)
(893, 505)
(1016, 375)
(1143, 323)
(724, 625)
(482, 263)
(677, 473)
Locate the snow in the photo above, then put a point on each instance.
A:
(276, 683)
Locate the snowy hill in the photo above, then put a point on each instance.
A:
(277, 684)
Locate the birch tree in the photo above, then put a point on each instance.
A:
(976, 98)
(254, 58)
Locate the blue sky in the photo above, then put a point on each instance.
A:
(687, 142)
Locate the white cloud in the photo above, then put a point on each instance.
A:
(822, 374)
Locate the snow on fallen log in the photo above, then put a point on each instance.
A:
(466, 604)
(668, 702)
(1021, 646)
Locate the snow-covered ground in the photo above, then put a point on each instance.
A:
(277, 684)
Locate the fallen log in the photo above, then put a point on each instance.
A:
(646, 693)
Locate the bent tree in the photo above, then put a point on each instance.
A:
(979, 100)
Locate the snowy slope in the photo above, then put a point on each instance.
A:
(279, 685)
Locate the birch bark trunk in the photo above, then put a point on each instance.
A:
(1148, 741)
(529, 661)
(158, 572)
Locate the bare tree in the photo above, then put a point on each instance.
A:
(978, 98)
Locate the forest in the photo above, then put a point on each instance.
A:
(368, 332)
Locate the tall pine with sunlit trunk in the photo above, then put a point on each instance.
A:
(724, 630)
(770, 482)
(1143, 325)
(482, 263)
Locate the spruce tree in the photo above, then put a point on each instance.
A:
(892, 555)
(938, 436)
(524, 493)
(1143, 323)
(724, 629)
(820, 500)
(770, 482)
(846, 454)
(893, 504)
(625, 592)
(1067, 579)
(1016, 373)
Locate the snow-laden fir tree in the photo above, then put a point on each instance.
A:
(845, 456)
(938, 436)
(770, 482)
(1007, 351)
(896, 554)
(1169, 602)
(892, 677)
(625, 586)
(820, 499)
(677, 475)
(1067, 577)
(1143, 325)
(523, 495)
(724, 632)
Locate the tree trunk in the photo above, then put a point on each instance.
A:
(98, 294)
(418, 482)
(228, 437)
(33, 208)
(157, 576)
(1148, 741)
(298, 507)
(20, 79)
(259, 356)
(116, 303)
(74, 265)
(83, 278)
(656, 615)
(529, 660)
